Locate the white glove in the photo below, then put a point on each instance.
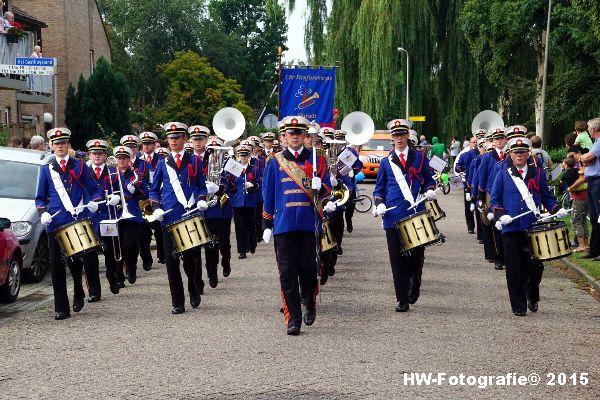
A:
(316, 183)
(505, 219)
(46, 218)
(158, 214)
(430, 194)
(599, 220)
(468, 196)
(202, 205)
(330, 207)
(479, 203)
(92, 206)
(249, 185)
(472, 207)
(113, 199)
(212, 187)
(131, 187)
(351, 173)
(561, 213)
(490, 216)
(381, 210)
(498, 225)
(334, 181)
(267, 233)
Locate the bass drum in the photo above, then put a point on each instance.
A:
(548, 241)
(327, 241)
(188, 233)
(418, 230)
(78, 238)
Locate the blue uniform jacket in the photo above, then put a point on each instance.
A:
(486, 171)
(260, 163)
(506, 199)
(79, 186)
(241, 196)
(102, 212)
(289, 207)
(192, 182)
(387, 190)
(463, 163)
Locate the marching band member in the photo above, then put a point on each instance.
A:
(218, 219)
(64, 186)
(291, 215)
(401, 177)
(99, 174)
(471, 177)
(135, 189)
(178, 186)
(461, 166)
(149, 154)
(244, 202)
(350, 182)
(268, 138)
(163, 152)
(518, 189)
(257, 159)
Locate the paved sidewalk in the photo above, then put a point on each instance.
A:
(234, 345)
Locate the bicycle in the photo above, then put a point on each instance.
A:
(362, 202)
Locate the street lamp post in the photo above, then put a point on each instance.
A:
(401, 49)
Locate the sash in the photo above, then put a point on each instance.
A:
(525, 194)
(298, 175)
(174, 179)
(62, 193)
(401, 180)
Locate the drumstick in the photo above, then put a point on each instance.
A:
(521, 215)
(549, 217)
(55, 214)
(422, 200)
(84, 206)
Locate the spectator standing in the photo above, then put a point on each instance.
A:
(591, 161)
(8, 21)
(438, 149)
(574, 179)
(454, 149)
(536, 143)
(37, 52)
(466, 141)
(37, 143)
(583, 138)
(423, 141)
(15, 141)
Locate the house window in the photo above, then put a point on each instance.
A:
(27, 119)
(92, 62)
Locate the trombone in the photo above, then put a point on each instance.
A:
(112, 162)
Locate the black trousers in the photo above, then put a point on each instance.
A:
(337, 226)
(523, 274)
(109, 258)
(488, 242)
(497, 241)
(129, 232)
(258, 231)
(350, 206)
(192, 264)
(146, 232)
(479, 225)
(245, 233)
(221, 229)
(405, 266)
(469, 217)
(76, 265)
(297, 264)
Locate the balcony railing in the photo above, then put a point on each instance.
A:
(35, 84)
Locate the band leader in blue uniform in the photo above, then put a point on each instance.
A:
(405, 170)
(178, 186)
(516, 190)
(64, 186)
(244, 201)
(291, 216)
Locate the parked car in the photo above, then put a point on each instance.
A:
(373, 151)
(11, 263)
(19, 172)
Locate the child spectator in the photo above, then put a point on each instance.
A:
(577, 187)
(583, 137)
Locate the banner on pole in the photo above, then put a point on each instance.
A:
(308, 93)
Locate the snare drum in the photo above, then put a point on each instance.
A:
(548, 241)
(327, 239)
(188, 233)
(435, 210)
(418, 230)
(77, 238)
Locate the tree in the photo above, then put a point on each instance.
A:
(196, 90)
(99, 108)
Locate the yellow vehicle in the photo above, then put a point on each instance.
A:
(373, 151)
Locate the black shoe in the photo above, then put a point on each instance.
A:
(226, 268)
(293, 330)
(331, 271)
(532, 305)
(480, 241)
(61, 315)
(93, 299)
(78, 304)
(588, 255)
(340, 251)
(490, 260)
(349, 227)
(242, 256)
(178, 310)
(520, 313)
(131, 278)
(114, 288)
(498, 265)
(147, 267)
(195, 300)
(281, 310)
(252, 250)
(413, 295)
(309, 317)
(324, 278)
(213, 282)
(121, 284)
(161, 260)
(471, 231)
(402, 307)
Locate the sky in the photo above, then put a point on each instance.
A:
(296, 33)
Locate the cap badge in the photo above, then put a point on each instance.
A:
(173, 127)
(396, 123)
(294, 121)
(96, 143)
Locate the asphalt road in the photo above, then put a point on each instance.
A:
(234, 345)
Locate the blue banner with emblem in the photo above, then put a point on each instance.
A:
(308, 93)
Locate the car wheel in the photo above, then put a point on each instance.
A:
(39, 262)
(10, 290)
